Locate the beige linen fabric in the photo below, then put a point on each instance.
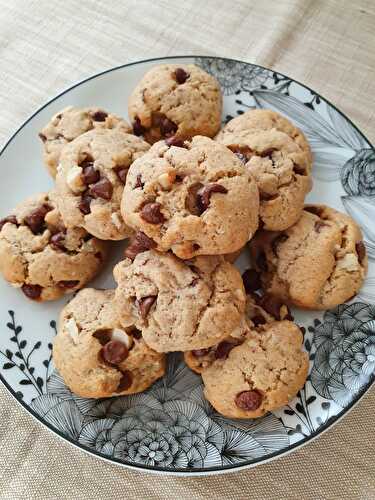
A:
(46, 46)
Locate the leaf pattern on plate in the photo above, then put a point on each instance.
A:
(358, 174)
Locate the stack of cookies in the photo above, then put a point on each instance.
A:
(189, 197)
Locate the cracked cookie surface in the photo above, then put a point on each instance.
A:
(177, 101)
(68, 124)
(279, 158)
(194, 200)
(262, 374)
(91, 178)
(179, 305)
(318, 263)
(97, 357)
(41, 256)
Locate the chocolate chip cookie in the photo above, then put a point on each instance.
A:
(194, 199)
(262, 374)
(279, 158)
(318, 263)
(179, 305)
(70, 123)
(176, 102)
(91, 178)
(41, 256)
(98, 358)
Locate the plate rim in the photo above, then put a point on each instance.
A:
(199, 470)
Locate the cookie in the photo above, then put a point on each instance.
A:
(194, 200)
(70, 123)
(318, 263)
(279, 158)
(177, 102)
(179, 305)
(95, 356)
(259, 311)
(41, 256)
(91, 178)
(262, 374)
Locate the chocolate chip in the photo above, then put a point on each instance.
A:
(204, 194)
(199, 353)
(144, 305)
(192, 200)
(181, 75)
(67, 284)
(99, 116)
(57, 241)
(258, 320)
(125, 381)
(35, 220)
(121, 173)
(281, 238)
(103, 336)
(137, 334)
(361, 251)
(249, 400)
(266, 153)
(319, 224)
(12, 219)
(244, 153)
(251, 280)
(33, 292)
(313, 209)
(138, 128)
(86, 161)
(223, 349)
(175, 141)
(299, 169)
(151, 213)
(84, 204)
(138, 182)
(139, 243)
(90, 175)
(114, 352)
(178, 178)
(167, 127)
(102, 189)
(42, 137)
(275, 307)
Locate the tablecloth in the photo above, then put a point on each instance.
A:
(46, 46)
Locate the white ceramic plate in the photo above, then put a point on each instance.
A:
(171, 428)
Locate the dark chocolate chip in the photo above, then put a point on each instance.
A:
(114, 352)
(249, 400)
(90, 175)
(319, 224)
(361, 251)
(275, 307)
(33, 292)
(121, 173)
(313, 209)
(125, 381)
(299, 169)
(144, 305)
(258, 320)
(35, 220)
(86, 161)
(139, 243)
(167, 127)
(137, 334)
(223, 349)
(102, 189)
(67, 284)
(42, 137)
(199, 353)
(174, 141)
(251, 280)
(99, 116)
(57, 241)
(12, 219)
(192, 200)
(138, 182)
(181, 75)
(84, 204)
(138, 128)
(266, 153)
(103, 336)
(204, 194)
(151, 213)
(244, 153)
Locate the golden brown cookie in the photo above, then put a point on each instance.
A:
(194, 200)
(262, 374)
(278, 156)
(43, 257)
(318, 263)
(179, 305)
(95, 356)
(176, 101)
(70, 123)
(91, 178)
